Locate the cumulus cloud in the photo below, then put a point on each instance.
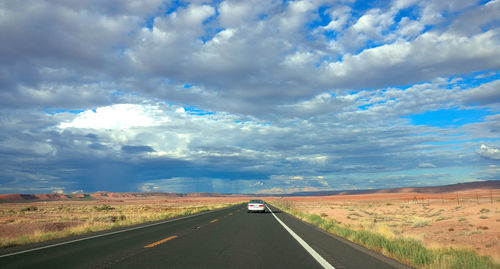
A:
(484, 94)
(226, 55)
(242, 96)
(120, 116)
(429, 56)
(489, 152)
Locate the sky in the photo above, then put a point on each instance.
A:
(265, 97)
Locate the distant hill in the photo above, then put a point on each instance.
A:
(103, 196)
(493, 184)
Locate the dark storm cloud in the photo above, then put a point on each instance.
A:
(137, 149)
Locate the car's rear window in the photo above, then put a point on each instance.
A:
(256, 201)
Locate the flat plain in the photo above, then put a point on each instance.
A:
(462, 220)
(36, 221)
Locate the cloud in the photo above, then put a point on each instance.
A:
(271, 191)
(142, 51)
(257, 184)
(137, 149)
(120, 116)
(485, 94)
(429, 56)
(426, 165)
(55, 54)
(239, 96)
(489, 152)
(236, 14)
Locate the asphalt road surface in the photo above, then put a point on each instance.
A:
(227, 238)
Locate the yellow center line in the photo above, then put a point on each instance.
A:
(161, 241)
(215, 220)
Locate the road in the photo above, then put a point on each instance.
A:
(227, 238)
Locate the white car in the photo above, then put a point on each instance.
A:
(256, 206)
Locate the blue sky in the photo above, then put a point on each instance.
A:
(247, 96)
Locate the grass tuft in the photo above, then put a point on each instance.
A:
(420, 223)
(29, 208)
(103, 208)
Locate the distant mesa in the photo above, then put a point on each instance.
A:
(13, 197)
(103, 196)
(42, 197)
(492, 184)
(116, 196)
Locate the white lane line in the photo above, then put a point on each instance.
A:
(303, 243)
(110, 233)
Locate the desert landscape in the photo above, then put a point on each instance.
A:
(463, 218)
(33, 218)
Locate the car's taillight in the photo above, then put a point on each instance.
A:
(261, 205)
(250, 205)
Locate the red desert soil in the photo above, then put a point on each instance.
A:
(461, 215)
(437, 219)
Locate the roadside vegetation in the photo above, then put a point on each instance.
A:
(406, 250)
(25, 224)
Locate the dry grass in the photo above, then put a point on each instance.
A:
(22, 223)
(436, 221)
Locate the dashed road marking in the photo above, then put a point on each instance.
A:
(110, 233)
(215, 220)
(160, 242)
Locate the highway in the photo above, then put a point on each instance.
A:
(227, 238)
